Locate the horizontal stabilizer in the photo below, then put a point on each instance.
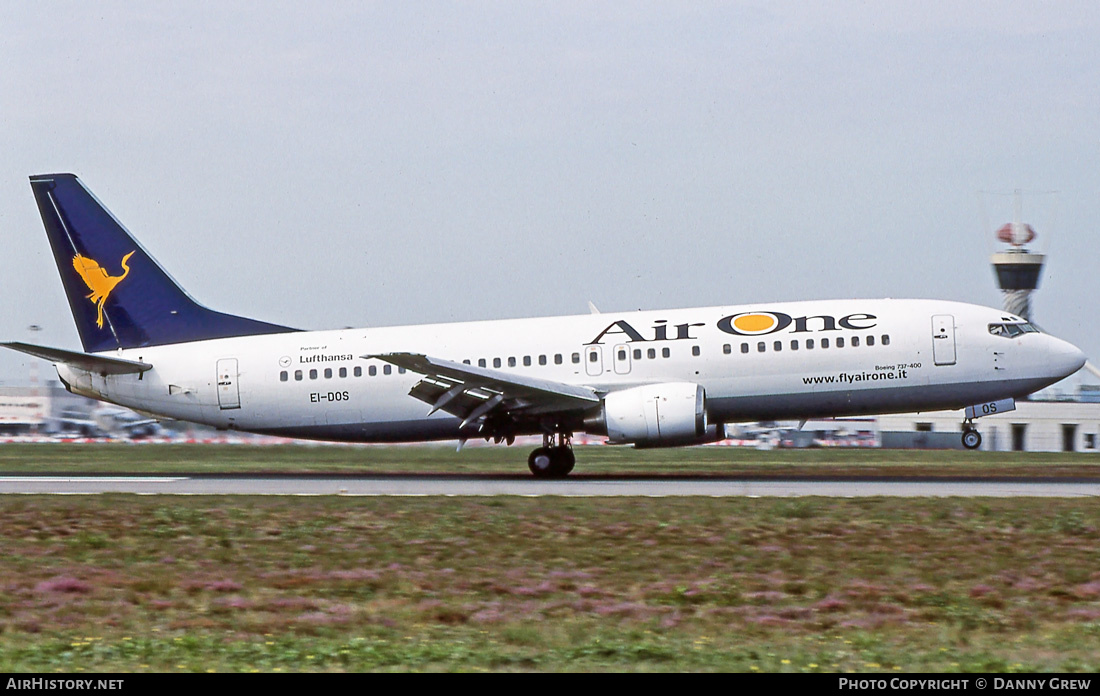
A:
(82, 361)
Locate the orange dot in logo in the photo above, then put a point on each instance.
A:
(754, 323)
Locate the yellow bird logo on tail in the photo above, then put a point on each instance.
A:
(97, 280)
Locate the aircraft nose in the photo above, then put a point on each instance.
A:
(1065, 358)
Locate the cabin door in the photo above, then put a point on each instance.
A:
(943, 339)
(229, 396)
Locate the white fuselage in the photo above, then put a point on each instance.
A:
(767, 361)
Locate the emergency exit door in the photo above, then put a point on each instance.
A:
(593, 360)
(622, 359)
(228, 394)
(943, 339)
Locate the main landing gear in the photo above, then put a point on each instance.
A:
(552, 460)
(971, 438)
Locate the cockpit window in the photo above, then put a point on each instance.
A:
(1011, 330)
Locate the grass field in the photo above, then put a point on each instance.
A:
(595, 459)
(132, 583)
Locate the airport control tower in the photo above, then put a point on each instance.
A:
(1017, 268)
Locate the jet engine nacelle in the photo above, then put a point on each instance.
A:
(656, 415)
(715, 432)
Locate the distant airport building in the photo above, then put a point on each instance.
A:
(1089, 393)
(45, 410)
(1035, 426)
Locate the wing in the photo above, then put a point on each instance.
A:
(474, 393)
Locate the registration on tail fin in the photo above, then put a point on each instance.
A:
(119, 295)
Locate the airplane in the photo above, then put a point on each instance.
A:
(646, 378)
(105, 421)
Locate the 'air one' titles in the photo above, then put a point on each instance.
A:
(743, 324)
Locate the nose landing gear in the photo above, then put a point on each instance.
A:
(971, 438)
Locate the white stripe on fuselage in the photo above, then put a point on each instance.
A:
(808, 382)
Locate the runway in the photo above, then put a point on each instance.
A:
(578, 486)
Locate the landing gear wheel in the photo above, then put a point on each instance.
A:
(541, 462)
(551, 462)
(565, 460)
(972, 439)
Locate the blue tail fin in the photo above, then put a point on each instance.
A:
(119, 295)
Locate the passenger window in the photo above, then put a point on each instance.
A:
(761, 347)
(511, 362)
(496, 362)
(387, 369)
(527, 361)
(665, 352)
(778, 345)
(481, 362)
(358, 372)
(400, 370)
(637, 353)
(372, 370)
(593, 356)
(695, 351)
(855, 341)
(824, 343)
(343, 372)
(622, 355)
(297, 375)
(542, 360)
(557, 359)
(328, 373)
(885, 339)
(794, 344)
(283, 376)
(576, 358)
(840, 342)
(744, 347)
(727, 349)
(870, 340)
(651, 353)
(809, 344)
(313, 374)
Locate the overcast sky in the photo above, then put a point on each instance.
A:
(324, 165)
